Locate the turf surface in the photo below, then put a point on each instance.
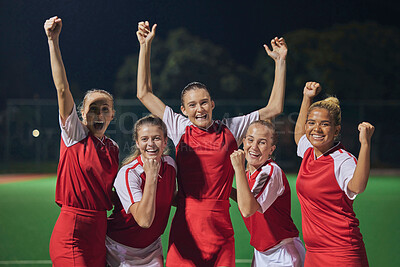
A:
(28, 213)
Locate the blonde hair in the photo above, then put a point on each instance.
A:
(331, 104)
(147, 120)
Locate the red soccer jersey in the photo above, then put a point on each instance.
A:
(273, 222)
(129, 185)
(328, 220)
(87, 167)
(203, 155)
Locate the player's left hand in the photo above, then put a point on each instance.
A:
(366, 131)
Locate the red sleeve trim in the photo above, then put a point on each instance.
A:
(127, 181)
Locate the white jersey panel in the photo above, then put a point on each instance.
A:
(345, 165)
(176, 124)
(238, 125)
(73, 130)
(274, 188)
(128, 184)
(302, 146)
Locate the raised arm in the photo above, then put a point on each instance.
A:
(144, 86)
(144, 211)
(247, 203)
(276, 100)
(360, 177)
(52, 28)
(311, 89)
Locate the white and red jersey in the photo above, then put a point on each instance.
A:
(205, 176)
(129, 185)
(272, 223)
(328, 220)
(203, 155)
(87, 167)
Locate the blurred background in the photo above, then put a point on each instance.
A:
(350, 47)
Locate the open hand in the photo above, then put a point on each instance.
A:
(279, 49)
(144, 34)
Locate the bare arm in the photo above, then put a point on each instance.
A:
(276, 100)
(361, 174)
(144, 211)
(311, 89)
(52, 28)
(144, 85)
(247, 203)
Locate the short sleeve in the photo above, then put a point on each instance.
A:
(73, 130)
(273, 189)
(128, 186)
(344, 173)
(176, 124)
(302, 146)
(238, 125)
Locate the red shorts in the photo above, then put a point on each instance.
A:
(348, 258)
(201, 234)
(78, 238)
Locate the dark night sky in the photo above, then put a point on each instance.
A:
(97, 35)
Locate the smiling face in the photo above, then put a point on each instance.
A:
(198, 107)
(97, 113)
(321, 130)
(151, 141)
(258, 145)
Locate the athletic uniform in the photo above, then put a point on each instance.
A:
(127, 243)
(330, 227)
(201, 231)
(272, 231)
(85, 176)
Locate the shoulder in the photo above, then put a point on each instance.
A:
(170, 162)
(134, 167)
(340, 155)
(271, 169)
(112, 142)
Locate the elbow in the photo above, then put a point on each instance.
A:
(140, 96)
(145, 223)
(358, 190)
(277, 110)
(246, 213)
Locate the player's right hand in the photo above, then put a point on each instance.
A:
(144, 34)
(238, 159)
(52, 27)
(311, 89)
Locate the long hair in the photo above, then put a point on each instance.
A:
(147, 120)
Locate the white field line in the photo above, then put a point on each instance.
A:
(32, 262)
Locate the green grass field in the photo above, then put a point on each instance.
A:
(28, 213)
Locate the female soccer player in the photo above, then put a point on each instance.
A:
(263, 196)
(329, 179)
(145, 186)
(201, 231)
(86, 170)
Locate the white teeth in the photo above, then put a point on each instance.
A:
(201, 116)
(253, 154)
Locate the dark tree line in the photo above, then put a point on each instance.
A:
(354, 61)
